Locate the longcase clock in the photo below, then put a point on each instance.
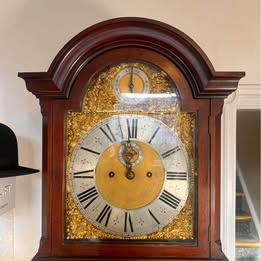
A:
(131, 145)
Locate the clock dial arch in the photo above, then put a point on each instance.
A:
(157, 192)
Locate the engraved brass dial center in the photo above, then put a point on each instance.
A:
(131, 192)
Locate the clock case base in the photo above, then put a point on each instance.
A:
(55, 89)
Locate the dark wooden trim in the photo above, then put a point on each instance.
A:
(216, 106)
(113, 259)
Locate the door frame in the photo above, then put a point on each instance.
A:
(248, 97)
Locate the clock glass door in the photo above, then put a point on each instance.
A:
(130, 161)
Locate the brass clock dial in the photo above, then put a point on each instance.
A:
(129, 175)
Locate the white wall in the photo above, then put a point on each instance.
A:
(33, 31)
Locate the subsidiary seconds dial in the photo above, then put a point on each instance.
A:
(130, 83)
(129, 175)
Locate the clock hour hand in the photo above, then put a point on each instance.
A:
(131, 85)
(129, 173)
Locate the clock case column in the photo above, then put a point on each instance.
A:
(62, 88)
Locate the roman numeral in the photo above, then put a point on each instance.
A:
(169, 199)
(128, 223)
(88, 195)
(88, 176)
(154, 218)
(154, 134)
(92, 151)
(105, 214)
(121, 133)
(170, 152)
(108, 133)
(132, 128)
(173, 175)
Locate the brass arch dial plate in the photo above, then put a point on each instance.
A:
(130, 174)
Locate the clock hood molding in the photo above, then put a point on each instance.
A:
(149, 34)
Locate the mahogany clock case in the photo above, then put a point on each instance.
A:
(64, 87)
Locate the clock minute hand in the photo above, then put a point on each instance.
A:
(129, 173)
(131, 85)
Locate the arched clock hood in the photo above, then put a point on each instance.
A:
(68, 111)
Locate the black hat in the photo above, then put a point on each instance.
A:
(9, 155)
